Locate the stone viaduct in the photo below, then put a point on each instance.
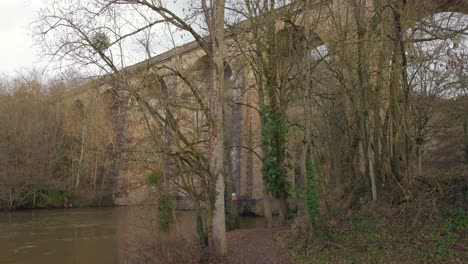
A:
(244, 119)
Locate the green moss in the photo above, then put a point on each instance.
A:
(154, 179)
(55, 197)
(202, 235)
(165, 213)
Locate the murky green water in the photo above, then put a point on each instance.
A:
(96, 235)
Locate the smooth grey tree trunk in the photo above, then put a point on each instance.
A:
(217, 240)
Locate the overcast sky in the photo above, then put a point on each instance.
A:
(17, 53)
(16, 46)
(16, 50)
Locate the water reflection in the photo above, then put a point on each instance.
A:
(98, 235)
(139, 238)
(57, 236)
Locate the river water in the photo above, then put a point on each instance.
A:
(98, 235)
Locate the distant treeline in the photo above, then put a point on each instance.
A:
(48, 156)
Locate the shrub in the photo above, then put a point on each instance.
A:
(154, 179)
(165, 212)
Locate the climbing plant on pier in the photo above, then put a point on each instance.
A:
(275, 165)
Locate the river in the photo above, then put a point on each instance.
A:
(98, 235)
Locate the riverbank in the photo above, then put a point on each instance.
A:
(254, 246)
(430, 227)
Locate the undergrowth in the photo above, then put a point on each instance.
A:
(429, 229)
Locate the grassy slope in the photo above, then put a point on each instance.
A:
(408, 232)
(376, 239)
(373, 239)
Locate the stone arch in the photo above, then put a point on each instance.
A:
(110, 102)
(200, 69)
(200, 72)
(228, 73)
(78, 110)
(75, 118)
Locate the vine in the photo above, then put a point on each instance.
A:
(274, 152)
(311, 196)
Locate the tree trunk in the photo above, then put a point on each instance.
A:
(363, 77)
(267, 197)
(307, 103)
(419, 152)
(217, 242)
(283, 208)
(199, 226)
(84, 131)
(465, 139)
(401, 160)
(115, 148)
(267, 209)
(95, 174)
(232, 216)
(385, 168)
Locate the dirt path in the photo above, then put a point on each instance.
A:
(254, 246)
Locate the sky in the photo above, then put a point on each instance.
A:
(17, 52)
(16, 46)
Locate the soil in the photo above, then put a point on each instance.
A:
(254, 246)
